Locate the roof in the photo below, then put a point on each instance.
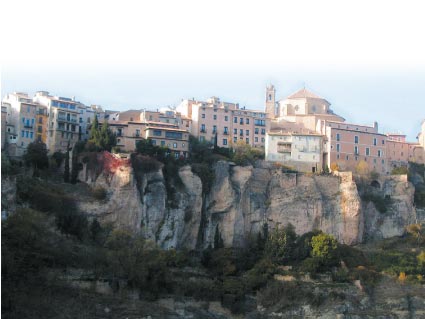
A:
(166, 129)
(304, 93)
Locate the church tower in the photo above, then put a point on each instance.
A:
(271, 101)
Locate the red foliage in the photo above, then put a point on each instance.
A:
(112, 163)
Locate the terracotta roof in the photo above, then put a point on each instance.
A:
(304, 93)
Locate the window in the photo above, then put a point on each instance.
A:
(383, 142)
(241, 132)
(260, 122)
(215, 117)
(356, 139)
(235, 120)
(346, 157)
(256, 130)
(226, 118)
(202, 138)
(214, 129)
(235, 131)
(162, 143)
(40, 120)
(374, 141)
(247, 140)
(175, 145)
(379, 153)
(356, 150)
(203, 128)
(338, 137)
(28, 109)
(226, 130)
(157, 132)
(137, 132)
(367, 151)
(256, 139)
(153, 142)
(263, 131)
(174, 135)
(235, 139)
(262, 139)
(26, 134)
(247, 132)
(337, 147)
(40, 129)
(247, 121)
(22, 133)
(337, 156)
(270, 97)
(224, 141)
(241, 121)
(383, 162)
(80, 120)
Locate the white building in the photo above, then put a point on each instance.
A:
(301, 151)
(21, 116)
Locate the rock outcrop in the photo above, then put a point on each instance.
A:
(242, 200)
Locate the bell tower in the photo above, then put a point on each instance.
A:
(271, 101)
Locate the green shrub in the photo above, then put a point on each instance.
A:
(400, 170)
(324, 247)
(381, 204)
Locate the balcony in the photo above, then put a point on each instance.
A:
(226, 133)
(64, 119)
(28, 126)
(203, 130)
(136, 134)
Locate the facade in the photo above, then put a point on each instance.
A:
(302, 151)
(41, 121)
(3, 125)
(346, 145)
(421, 135)
(175, 139)
(224, 122)
(21, 120)
(63, 127)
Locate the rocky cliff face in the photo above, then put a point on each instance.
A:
(242, 199)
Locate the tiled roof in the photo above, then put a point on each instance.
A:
(304, 93)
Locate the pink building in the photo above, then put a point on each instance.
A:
(346, 145)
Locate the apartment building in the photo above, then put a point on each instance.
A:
(3, 125)
(63, 127)
(20, 119)
(42, 120)
(86, 117)
(161, 134)
(400, 152)
(224, 122)
(421, 135)
(302, 151)
(348, 144)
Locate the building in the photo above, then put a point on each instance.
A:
(306, 110)
(86, 117)
(301, 151)
(63, 125)
(223, 122)
(346, 145)
(42, 121)
(20, 120)
(3, 125)
(161, 134)
(421, 135)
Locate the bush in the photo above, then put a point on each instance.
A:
(402, 170)
(324, 247)
(99, 193)
(280, 244)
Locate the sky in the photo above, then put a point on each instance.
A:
(366, 58)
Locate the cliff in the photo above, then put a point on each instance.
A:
(242, 199)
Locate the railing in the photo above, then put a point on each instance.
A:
(136, 134)
(64, 119)
(203, 130)
(28, 125)
(226, 133)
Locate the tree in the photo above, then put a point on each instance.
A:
(362, 168)
(66, 171)
(324, 247)
(36, 155)
(101, 138)
(280, 244)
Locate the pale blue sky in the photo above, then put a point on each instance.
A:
(365, 57)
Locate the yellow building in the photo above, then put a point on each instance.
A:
(41, 124)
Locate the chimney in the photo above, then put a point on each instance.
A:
(375, 126)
